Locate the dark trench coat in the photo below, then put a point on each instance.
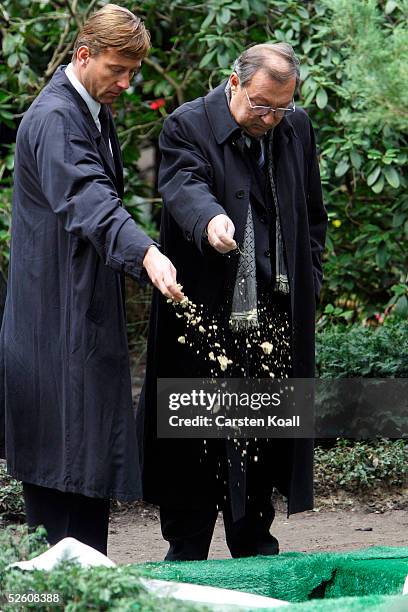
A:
(203, 174)
(65, 368)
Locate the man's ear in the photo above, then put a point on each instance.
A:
(234, 81)
(83, 55)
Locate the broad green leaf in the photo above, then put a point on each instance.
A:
(4, 114)
(381, 255)
(392, 176)
(9, 44)
(307, 45)
(207, 58)
(356, 159)
(400, 289)
(12, 60)
(401, 306)
(379, 185)
(373, 176)
(374, 154)
(321, 98)
(347, 314)
(390, 6)
(223, 59)
(398, 219)
(304, 71)
(225, 15)
(341, 168)
(208, 20)
(302, 12)
(309, 86)
(10, 162)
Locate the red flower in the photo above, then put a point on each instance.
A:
(156, 104)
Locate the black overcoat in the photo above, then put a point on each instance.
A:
(203, 173)
(67, 390)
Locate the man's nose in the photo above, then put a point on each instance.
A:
(271, 119)
(123, 82)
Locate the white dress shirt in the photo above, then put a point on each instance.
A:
(93, 105)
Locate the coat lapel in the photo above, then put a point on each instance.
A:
(117, 156)
(287, 181)
(113, 165)
(109, 159)
(238, 210)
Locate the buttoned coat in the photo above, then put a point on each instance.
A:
(203, 173)
(67, 390)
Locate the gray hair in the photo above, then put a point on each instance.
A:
(259, 57)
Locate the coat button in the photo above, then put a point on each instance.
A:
(267, 253)
(240, 194)
(188, 236)
(263, 219)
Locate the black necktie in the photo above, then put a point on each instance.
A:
(257, 152)
(104, 121)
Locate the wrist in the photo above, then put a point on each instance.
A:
(148, 252)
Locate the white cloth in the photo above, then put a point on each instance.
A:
(68, 549)
(214, 598)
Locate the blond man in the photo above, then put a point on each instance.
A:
(70, 434)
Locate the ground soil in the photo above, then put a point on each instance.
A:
(336, 524)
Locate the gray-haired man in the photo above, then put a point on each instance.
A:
(239, 168)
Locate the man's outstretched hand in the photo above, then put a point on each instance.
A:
(162, 273)
(221, 232)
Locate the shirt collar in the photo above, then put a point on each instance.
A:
(92, 104)
(246, 137)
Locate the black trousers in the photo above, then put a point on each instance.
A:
(189, 533)
(189, 530)
(68, 515)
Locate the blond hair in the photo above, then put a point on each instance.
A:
(114, 27)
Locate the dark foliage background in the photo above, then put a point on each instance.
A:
(354, 67)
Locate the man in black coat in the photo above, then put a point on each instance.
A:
(244, 222)
(70, 431)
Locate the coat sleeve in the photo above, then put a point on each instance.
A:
(80, 193)
(317, 214)
(185, 178)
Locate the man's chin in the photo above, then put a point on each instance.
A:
(108, 98)
(257, 132)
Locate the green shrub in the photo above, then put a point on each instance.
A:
(353, 351)
(359, 467)
(17, 544)
(345, 408)
(11, 497)
(79, 589)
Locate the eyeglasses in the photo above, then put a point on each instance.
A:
(261, 111)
